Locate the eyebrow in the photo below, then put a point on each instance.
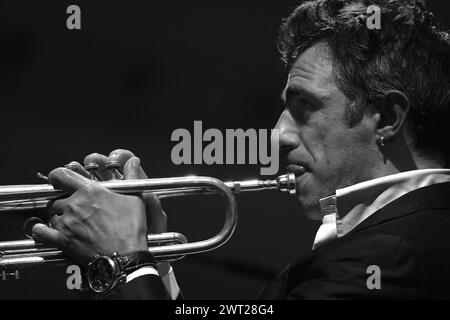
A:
(289, 92)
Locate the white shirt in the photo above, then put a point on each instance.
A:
(168, 279)
(348, 207)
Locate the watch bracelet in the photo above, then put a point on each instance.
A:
(132, 261)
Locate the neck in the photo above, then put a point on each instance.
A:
(398, 157)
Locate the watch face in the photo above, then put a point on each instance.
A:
(101, 274)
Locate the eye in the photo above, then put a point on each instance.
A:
(301, 110)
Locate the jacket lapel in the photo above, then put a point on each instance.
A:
(434, 196)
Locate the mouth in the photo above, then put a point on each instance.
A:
(296, 169)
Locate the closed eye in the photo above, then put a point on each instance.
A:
(301, 110)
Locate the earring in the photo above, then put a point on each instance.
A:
(382, 141)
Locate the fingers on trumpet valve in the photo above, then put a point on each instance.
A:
(92, 169)
(95, 164)
(107, 168)
(114, 167)
(101, 168)
(118, 160)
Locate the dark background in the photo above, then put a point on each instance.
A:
(136, 71)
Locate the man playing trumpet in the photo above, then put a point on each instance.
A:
(364, 130)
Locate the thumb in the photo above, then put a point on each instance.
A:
(68, 180)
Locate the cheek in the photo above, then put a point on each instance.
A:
(337, 148)
(351, 155)
(314, 139)
(330, 143)
(324, 137)
(324, 144)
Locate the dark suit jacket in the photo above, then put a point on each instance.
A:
(409, 240)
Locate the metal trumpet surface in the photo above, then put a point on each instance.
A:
(166, 246)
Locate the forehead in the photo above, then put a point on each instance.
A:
(312, 72)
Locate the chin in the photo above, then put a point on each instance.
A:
(309, 191)
(310, 207)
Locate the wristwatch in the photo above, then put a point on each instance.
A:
(106, 272)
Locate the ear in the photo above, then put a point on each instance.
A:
(393, 110)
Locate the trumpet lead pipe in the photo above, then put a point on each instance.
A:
(31, 197)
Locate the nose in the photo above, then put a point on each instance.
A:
(289, 138)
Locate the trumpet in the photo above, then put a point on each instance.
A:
(169, 246)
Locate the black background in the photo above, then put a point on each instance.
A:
(135, 72)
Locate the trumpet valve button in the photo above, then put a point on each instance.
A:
(92, 168)
(112, 165)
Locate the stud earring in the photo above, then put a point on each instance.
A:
(382, 141)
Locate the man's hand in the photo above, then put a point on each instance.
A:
(94, 220)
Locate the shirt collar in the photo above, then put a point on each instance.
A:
(349, 206)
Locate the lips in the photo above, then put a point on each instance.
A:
(296, 169)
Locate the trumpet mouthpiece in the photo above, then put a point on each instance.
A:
(286, 183)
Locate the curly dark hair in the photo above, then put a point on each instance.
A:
(409, 53)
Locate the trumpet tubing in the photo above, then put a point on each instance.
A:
(167, 246)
